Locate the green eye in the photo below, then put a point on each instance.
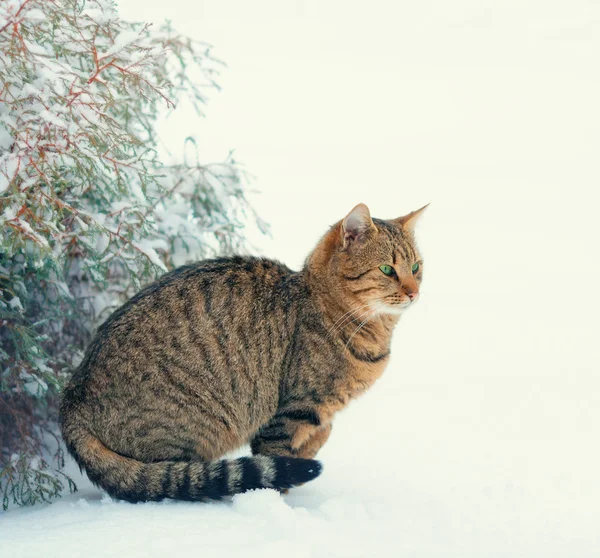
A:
(415, 268)
(387, 269)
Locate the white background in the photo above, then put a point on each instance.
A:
(482, 437)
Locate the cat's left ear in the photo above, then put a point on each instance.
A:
(409, 221)
(357, 225)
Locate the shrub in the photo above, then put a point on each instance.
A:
(88, 213)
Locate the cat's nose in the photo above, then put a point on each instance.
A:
(413, 296)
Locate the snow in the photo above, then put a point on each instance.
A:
(30, 232)
(461, 469)
(84, 226)
(6, 139)
(102, 11)
(33, 384)
(41, 366)
(124, 39)
(8, 167)
(35, 15)
(146, 246)
(52, 118)
(37, 49)
(15, 303)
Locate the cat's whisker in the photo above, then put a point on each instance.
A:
(340, 321)
(351, 311)
(344, 319)
(361, 325)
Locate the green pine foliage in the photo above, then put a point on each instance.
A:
(88, 213)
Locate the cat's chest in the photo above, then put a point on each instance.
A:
(361, 376)
(351, 381)
(362, 362)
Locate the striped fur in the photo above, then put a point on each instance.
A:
(233, 351)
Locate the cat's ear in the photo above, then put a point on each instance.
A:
(356, 224)
(409, 221)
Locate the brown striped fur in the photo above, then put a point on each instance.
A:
(233, 351)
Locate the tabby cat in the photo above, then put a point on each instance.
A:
(235, 350)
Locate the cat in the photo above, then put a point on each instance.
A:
(238, 350)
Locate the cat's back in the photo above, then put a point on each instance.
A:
(207, 288)
(228, 313)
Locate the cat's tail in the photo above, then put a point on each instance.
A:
(131, 480)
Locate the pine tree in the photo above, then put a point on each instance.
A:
(87, 211)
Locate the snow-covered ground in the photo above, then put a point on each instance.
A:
(481, 439)
(460, 468)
